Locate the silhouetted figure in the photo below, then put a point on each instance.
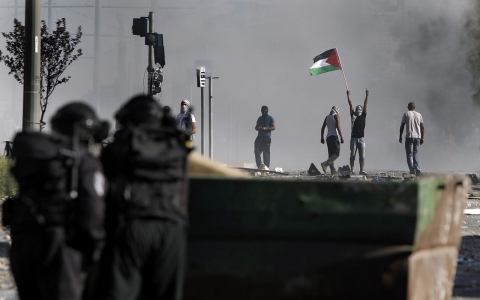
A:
(265, 125)
(57, 221)
(7, 152)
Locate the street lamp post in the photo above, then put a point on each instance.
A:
(210, 117)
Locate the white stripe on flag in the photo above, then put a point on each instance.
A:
(320, 64)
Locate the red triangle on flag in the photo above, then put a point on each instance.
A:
(333, 59)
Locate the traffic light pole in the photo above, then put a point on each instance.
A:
(150, 56)
(202, 109)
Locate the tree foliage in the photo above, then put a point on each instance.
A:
(58, 51)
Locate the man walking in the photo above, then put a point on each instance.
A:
(357, 140)
(265, 126)
(332, 122)
(413, 137)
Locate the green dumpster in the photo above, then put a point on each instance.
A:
(308, 239)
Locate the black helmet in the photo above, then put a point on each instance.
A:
(141, 109)
(79, 117)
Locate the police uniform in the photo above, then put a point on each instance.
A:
(56, 235)
(144, 257)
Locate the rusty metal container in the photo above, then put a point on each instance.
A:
(308, 239)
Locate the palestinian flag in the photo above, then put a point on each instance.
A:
(325, 62)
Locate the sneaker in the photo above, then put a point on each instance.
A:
(353, 172)
(363, 173)
(418, 172)
(324, 167)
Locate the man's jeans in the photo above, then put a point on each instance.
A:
(333, 146)
(357, 144)
(411, 148)
(262, 144)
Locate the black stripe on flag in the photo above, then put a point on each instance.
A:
(324, 55)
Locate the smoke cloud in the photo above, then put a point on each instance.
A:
(423, 51)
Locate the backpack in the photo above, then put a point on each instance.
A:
(41, 170)
(147, 171)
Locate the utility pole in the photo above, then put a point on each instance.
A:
(150, 55)
(96, 55)
(31, 84)
(210, 117)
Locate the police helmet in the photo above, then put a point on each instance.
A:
(139, 110)
(79, 118)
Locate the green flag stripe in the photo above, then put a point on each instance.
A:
(316, 71)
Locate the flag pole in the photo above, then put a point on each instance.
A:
(342, 68)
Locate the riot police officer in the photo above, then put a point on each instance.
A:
(57, 219)
(144, 257)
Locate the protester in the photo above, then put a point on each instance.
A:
(186, 120)
(265, 126)
(357, 139)
(332, 122)
(413, 137)
(57, 221)
(145, 253)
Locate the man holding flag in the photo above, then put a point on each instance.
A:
(357, 140)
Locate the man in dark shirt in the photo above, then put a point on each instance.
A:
(357, 140)
(265, 125)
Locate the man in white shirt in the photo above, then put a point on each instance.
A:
(332, 122)
(413, 137)
(186, 120)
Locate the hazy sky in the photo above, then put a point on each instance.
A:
(262, 50)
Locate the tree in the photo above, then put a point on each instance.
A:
(58, 52)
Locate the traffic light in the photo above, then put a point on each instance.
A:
(201, 76)
(159, 53)
(154, 39)
(140, 26)
(159, 50)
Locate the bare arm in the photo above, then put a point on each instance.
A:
(401, 132)
(323, 130)
(350, 102)
(260, 128)
(337, 118)
(367, 93)
(422, 131)
(194, 127)
(272, 127)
